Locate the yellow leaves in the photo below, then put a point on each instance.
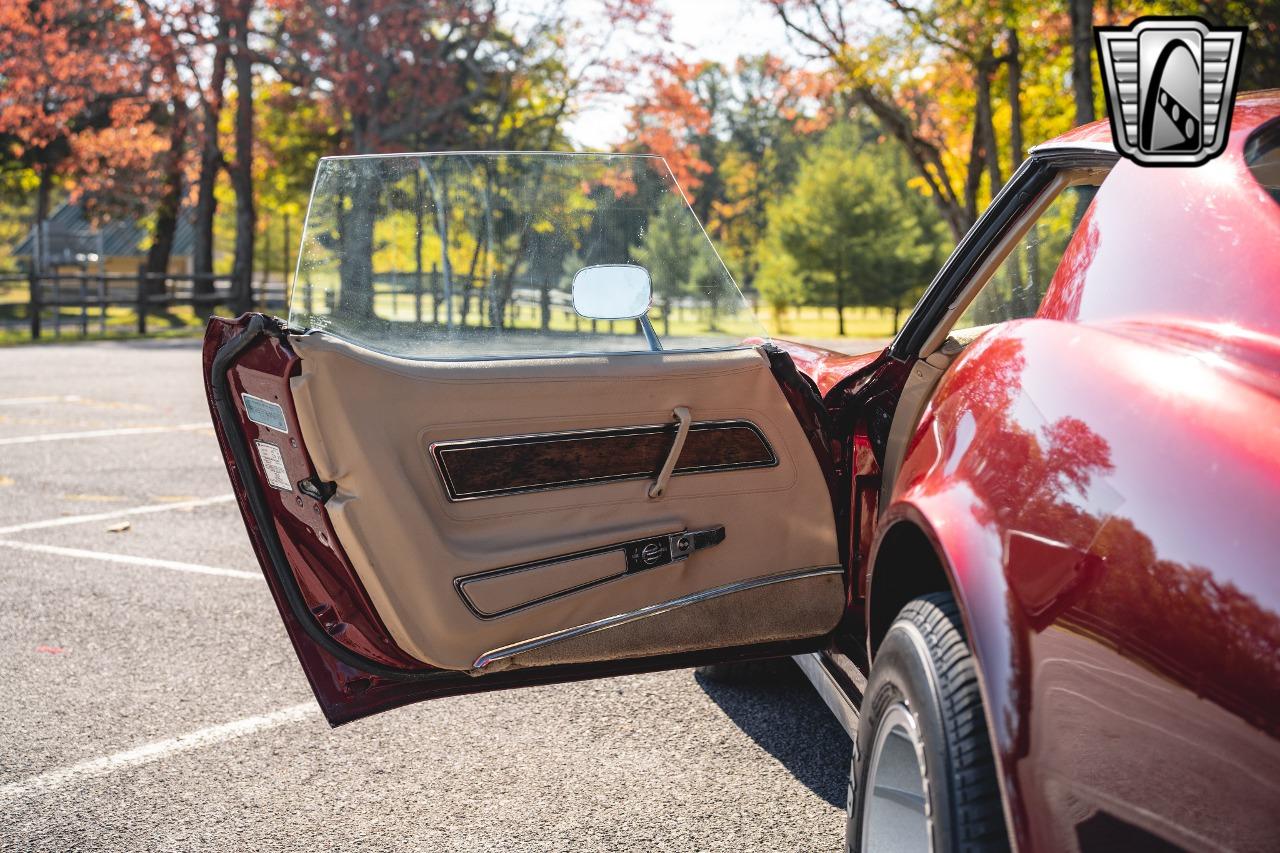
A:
(920, 185)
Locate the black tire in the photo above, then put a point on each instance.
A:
(924, 674)
(746, 672)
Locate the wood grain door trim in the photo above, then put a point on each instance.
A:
(494, 467)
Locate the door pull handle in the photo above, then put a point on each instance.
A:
(684, 419)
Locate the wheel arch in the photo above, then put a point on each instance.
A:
(912, 556)
(904, 543)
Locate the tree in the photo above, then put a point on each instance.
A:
(240, 170)
(201, 40)
(670, 252)
(1081, 12)
(167, 94)
(676, 122)
(69, 75)
(413, 80)
(391, 72)
(931, 75)
(733, 139)
(851, 226)
(1260, 65)
(781, 285)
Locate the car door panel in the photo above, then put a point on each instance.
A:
(463, 478)
(351, 661)
(546, 551)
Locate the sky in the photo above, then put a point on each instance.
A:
(720, 30)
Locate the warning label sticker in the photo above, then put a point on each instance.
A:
(273, 465)
(264, 412)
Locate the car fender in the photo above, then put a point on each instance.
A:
(969, 555)
(1067, 481)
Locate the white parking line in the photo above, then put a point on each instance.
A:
(102, 433)
(125, 559)
(109, 516)
(27, 401)
(44, 783)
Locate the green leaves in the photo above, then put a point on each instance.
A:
(852, 231)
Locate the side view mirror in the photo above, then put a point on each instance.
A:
(612, 292)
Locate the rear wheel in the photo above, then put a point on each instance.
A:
(923, 777)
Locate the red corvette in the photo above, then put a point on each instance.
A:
(511, 435)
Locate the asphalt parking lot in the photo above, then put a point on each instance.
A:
(152, 700)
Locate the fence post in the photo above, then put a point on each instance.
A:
(33, 286)
(417, 295)
(435, 295)
(84, 305)
(142, 299)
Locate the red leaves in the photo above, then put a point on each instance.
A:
(690, 102)
(81, 83)
(59, 62)
(371, 59)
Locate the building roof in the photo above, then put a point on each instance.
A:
(69, 232)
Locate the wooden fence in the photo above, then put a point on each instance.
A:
(60, 304)
(63, 303)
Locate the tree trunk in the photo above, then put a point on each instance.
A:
(210, 166)
(544, 303)
(355, 298)
(840, 308)
(442, 229)
(206, 210)
(1081, 13)
(242, 170)
(170, 204)
(1015, 99)
(38, 249)
(925, 157)
(418, 201)
(982, 150)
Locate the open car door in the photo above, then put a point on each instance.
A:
(520, 428)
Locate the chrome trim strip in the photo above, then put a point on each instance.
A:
(645, 612)
(437, 449)
(675, 554)
(815, 669)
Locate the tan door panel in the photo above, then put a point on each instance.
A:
(497, 593)
(370, 422)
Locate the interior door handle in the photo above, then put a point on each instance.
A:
(684, 418)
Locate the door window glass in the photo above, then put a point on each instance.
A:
(478, 255)
(1018, 285)
(1262, 155)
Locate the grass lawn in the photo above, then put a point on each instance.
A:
(806, 322)
(814, 322)
(120, 322)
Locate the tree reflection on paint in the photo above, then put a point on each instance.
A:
(1084, 567)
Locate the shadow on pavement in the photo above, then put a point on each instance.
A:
(784, 715)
